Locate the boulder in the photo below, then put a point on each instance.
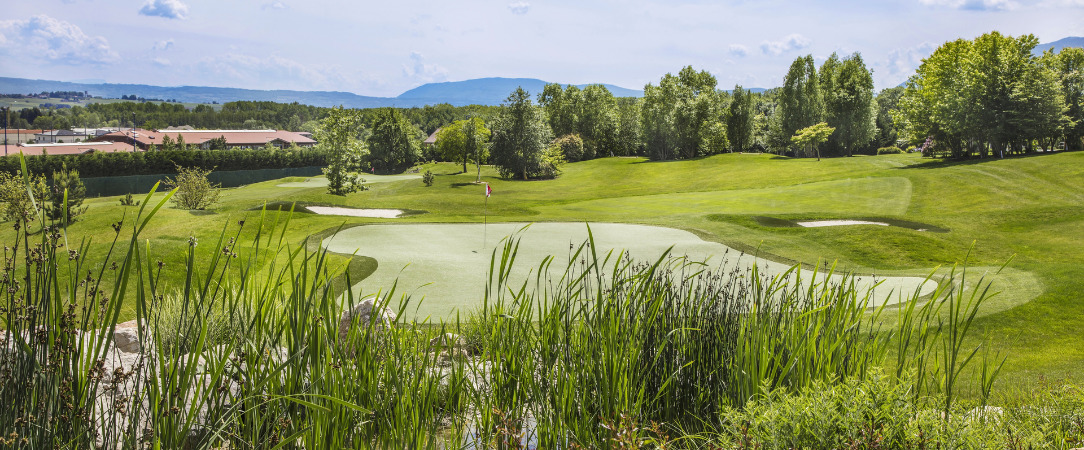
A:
(364, 314)
(126, 337)
(451, 347)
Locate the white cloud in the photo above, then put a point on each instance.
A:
(163, 45)
(276, 5)
(900, 64)
(789, 43)
(519, 8)
(162, 62)
(738, 50)
(420, 71)
(272, 72)
(974, 5)
(170, 9)
(55, 40)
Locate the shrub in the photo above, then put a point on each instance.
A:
(571, 147)
(67, 196)
(128, 201)
(889, 151)
(194, 191)
(552, 160)
(16, 203)
(427, 178)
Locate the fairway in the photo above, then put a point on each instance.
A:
(880, 195)
(447, 265)
(322, 181)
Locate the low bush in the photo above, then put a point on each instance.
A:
(889, 151)
(194, 191)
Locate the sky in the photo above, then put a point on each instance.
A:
(382, 48)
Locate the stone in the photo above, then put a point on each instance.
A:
(126, 337)
(363, 315)
(451, 347)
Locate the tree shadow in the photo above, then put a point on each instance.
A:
(942, 163)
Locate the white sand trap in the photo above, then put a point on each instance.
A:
(447, 264)
(839, 223)
(355, 212)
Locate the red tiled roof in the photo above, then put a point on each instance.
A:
(233, 137)
(69, 149)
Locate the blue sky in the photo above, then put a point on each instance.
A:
(384, 48)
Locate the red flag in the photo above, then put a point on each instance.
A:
(489, 190)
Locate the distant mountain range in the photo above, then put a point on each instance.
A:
(1059, 44)
(482, 91)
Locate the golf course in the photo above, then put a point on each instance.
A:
(1017, 222)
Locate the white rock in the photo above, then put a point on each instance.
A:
(126, 337)
(362, 315)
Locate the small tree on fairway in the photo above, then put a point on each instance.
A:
(67, 197)
(338, 135)
(194, 190)
(462, 140)
(812, 136)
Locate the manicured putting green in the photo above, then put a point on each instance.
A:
(322, 181)
(447, 263)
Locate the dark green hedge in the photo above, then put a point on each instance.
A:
(161, 162)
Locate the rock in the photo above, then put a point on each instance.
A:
(451, 347)
(126, 337)
(363, 315)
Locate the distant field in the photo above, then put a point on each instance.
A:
(17, 104)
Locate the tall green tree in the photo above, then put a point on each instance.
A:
(520, 138)
(628, 142)
(590, 113)
(739, 119)
(888, 101)
(848, 98)
(800, 101)
(394, 143)
(675, 112)
(338, 134)
(989, 95)
(1068, 65)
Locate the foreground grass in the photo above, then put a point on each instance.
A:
(612, 352)
(1027, 210)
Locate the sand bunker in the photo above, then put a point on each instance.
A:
(447, 263)
(838, 223)
(355, 212)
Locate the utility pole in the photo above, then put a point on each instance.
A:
(7, 115)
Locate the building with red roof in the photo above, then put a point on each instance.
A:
(235, 139)
(74, 148)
